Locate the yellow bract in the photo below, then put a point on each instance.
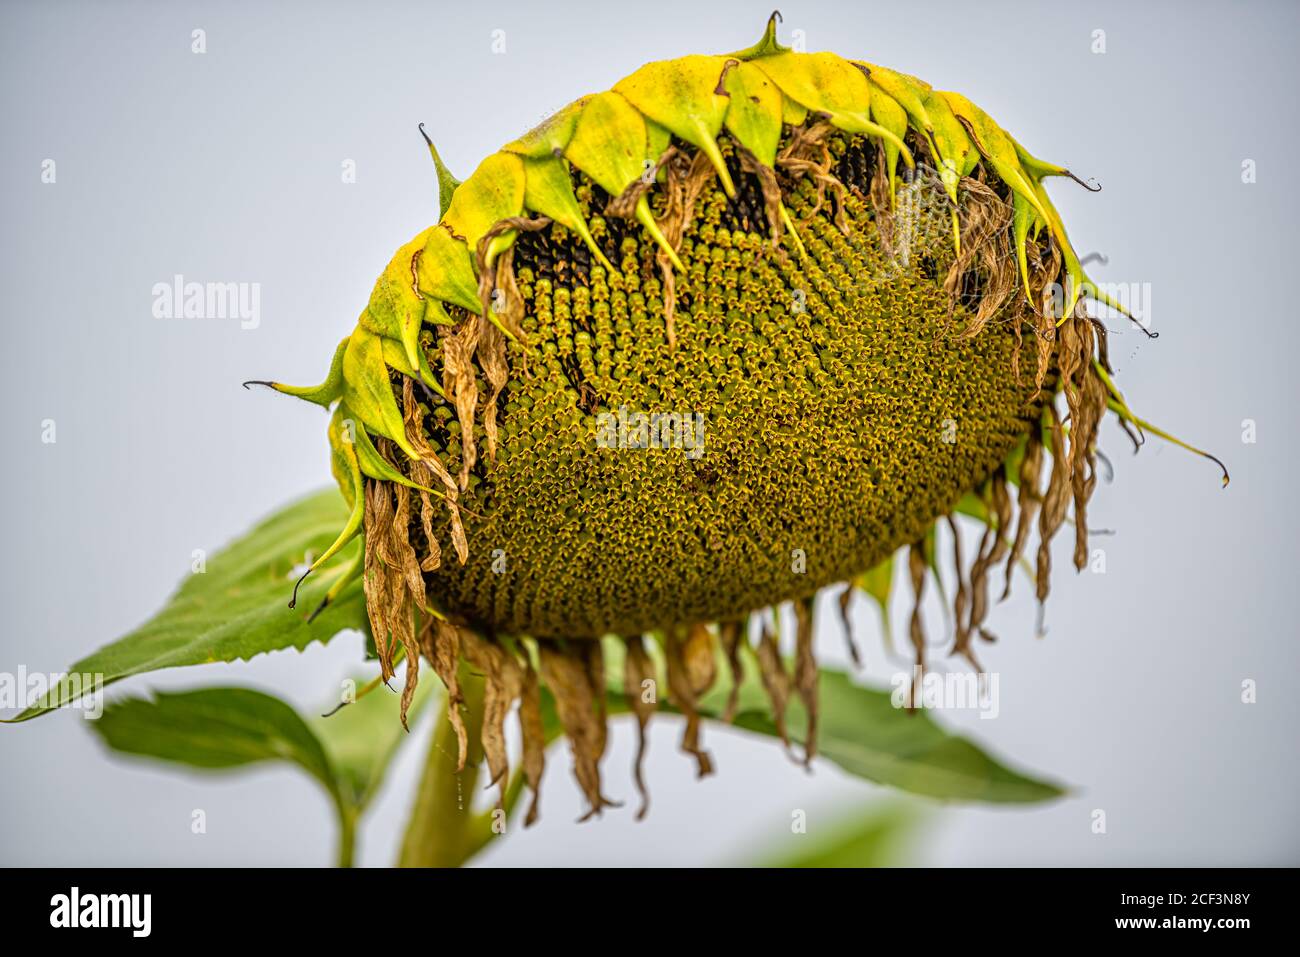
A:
(618, 136)
(686, 98)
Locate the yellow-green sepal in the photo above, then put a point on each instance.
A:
(1095, 292)
(396, 358)
(494, 191)
(1022, 217)
(551, 136)
(768, 44)
(323, 394)
(957, 155)
(657, 140)
(792, 113)
(372, 464)
(548, 191)
(887, 112)
(1036, 167)
(368, 392)
(445, 270)
(826, 83)
(1121, 409)
(994, 145)
(754, 115)
(647, 219)
(345, 469)
(684, 97)
(380, 322)
(435, 313)
(347, 473)
(447, 183)
(905, 90)
(609, 143)
(822, 82)
(1040, 169)
(861, 123)
(1075, 278)
(912, 95)
(396, 309)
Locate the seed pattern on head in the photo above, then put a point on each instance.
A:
(823, 383)
(849, 290)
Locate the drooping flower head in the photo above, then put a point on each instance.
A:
(736, 330)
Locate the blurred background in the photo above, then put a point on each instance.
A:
(228, 165)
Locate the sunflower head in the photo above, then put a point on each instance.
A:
(737, 329)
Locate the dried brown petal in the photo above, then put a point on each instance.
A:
(565, 670)
(992, 547)
(917, 567)
(775, 681)
(1055, 502)
(378, 581)
(731, 635)
(503, 685)
(807, 154)
(534, 737)
(805, 672)
(492, 358)
(961, 600)
(638, 669)
(413, 418)
(846, 599)
(440, 642)
(985, 252)
(1031, 467)
(691, 670)
(770, 189)
(461, 385)
(685, 179)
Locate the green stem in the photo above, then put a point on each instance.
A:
(440, 832)
(483, 832)
(347, 836)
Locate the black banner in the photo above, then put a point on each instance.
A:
(331, 909)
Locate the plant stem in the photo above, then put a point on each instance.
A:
(347, 836)
(440, 830)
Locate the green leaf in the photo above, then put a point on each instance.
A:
(862, 731)
(875, 836)
(238, 607)
(216, 729)
(226, 728)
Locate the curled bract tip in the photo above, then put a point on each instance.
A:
(447, 183)
(324, 603)
(293, 600)
(768, 45)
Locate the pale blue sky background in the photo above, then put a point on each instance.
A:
(226, 166)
